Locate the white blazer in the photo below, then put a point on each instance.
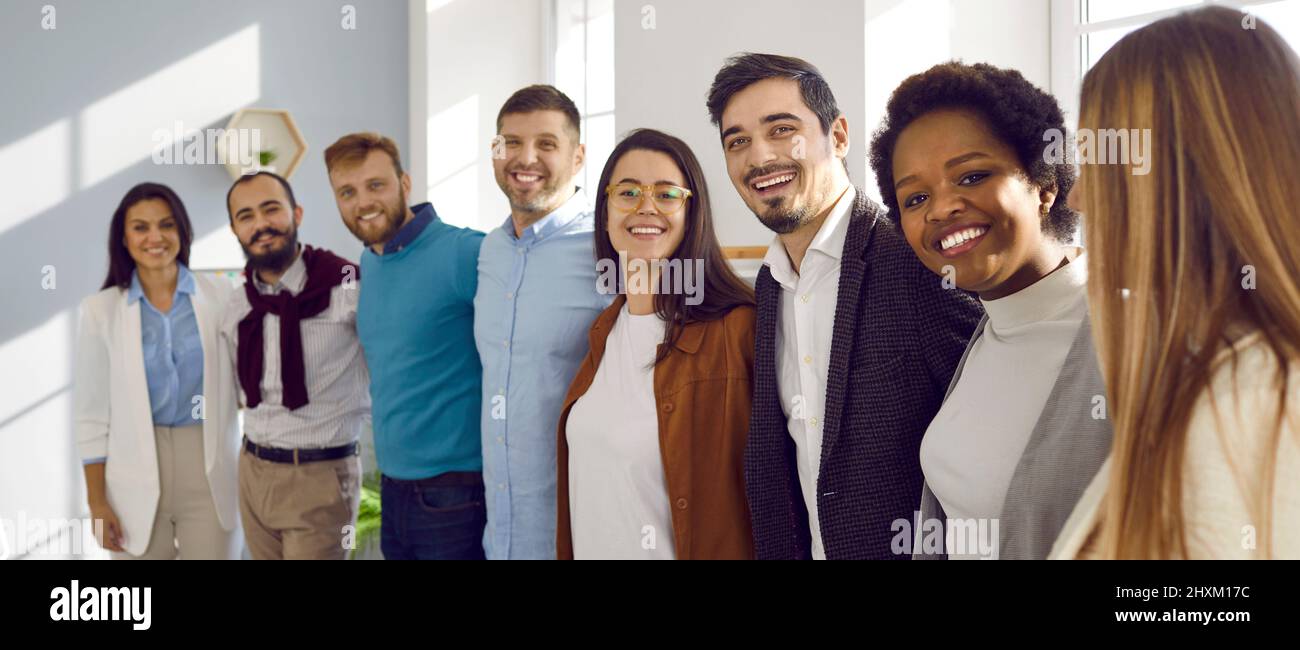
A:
(112, 416)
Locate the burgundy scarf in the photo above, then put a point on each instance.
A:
(325, 270)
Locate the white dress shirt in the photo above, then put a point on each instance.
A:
(803, 344)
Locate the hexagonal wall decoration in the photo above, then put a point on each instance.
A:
(264, 138)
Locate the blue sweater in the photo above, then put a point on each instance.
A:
(416, 324)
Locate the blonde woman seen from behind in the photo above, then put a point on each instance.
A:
(1195, 291)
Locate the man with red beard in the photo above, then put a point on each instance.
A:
(292, 333)
(416, 322)
(537, 299)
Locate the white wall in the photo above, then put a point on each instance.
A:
(865, 48)
(691, 39)
(903, 38)
(479, 52)
(81, 102)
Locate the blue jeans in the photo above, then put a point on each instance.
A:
(420, 521)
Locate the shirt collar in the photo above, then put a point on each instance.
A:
(828, 241)
(421, 216)
(293, 279)
(557, 220)
(184, 284)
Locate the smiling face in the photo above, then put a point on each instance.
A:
(782, 164)
(371, 198)
(647, 233)
(151, 235)
(965, 201)
(536, 159)
(266, 226)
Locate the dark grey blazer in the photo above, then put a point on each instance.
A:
(1063, 454)
(898, 335)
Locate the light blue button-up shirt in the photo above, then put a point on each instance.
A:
(173, 352)
(536, 300)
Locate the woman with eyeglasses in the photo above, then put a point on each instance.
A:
(652, 433)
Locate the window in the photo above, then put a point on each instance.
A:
(1084, 30)
(583, 69)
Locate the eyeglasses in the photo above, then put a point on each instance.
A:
(666, 197)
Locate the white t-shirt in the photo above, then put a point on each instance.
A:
(618, 497)
(975, 441)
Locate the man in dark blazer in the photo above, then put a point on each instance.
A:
(856, 339)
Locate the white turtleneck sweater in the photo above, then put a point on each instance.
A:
(975, 441)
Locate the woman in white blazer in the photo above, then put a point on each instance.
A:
(154, 395)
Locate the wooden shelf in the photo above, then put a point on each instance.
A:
(744, 252)
(276, 131)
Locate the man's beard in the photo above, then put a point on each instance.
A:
(782, 220)
(536, 204)
(277, 259)
(780, 217)
(394, 218)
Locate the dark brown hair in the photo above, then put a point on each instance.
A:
(120, 263)
(541, 97)
(744, 70)
(288, 191)
(722, 290)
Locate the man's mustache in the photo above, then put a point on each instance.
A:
(264, 233)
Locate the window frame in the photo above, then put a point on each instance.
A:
(1069, 38)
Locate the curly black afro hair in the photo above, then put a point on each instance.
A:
(1015, 110)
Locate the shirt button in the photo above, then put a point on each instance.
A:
(509, 295)
(681, 504)
(668, 407)
(807, 359)
(813, 421)
(501, 486)
(500, 439)
(804, 297)
(505, 344)
(501, 389)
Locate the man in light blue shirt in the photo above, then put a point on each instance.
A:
(536, 300)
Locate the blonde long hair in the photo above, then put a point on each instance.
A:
(1169, 250)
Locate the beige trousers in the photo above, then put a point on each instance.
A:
(298, 512)
(186, 523)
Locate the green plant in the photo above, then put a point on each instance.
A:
(368, 515)
(267, 157)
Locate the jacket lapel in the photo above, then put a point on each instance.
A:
(853, 272)
(137, 383)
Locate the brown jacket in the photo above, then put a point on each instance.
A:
(702, 390)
